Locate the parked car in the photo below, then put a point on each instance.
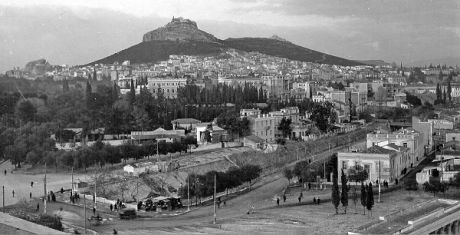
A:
(128, 213)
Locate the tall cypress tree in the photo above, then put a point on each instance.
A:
(344, 196)
(88, 94)
(370, 198)
(438, 92)
(132, 93)
(444, 96)
(449, 92)
(335, 193)
(65, 85)
(363, 197)
(94, 74)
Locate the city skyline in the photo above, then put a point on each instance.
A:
(79, 32)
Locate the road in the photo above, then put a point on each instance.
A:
(20, 183)
(262, 196)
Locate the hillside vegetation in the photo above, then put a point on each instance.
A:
(154, 51)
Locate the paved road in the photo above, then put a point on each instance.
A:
(261, 197)
(20, 183)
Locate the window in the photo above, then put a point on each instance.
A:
(405, 145)
(344, 164)
(367, 168)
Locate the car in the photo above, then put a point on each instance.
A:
(128, 213)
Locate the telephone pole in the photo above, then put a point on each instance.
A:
(84, 208)
(71, 189)
(188, 193)
(215, 216)
(3, 197)
(44, 198)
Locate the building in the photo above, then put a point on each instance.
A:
(207, 132)
(263, 126)
(249, 112)
(381, 162)
(407, 138)
(142, 167)
(185, 123)
(168, 86)
(426, 129)
(159, 134)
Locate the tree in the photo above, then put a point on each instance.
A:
(88, 95)
(65, 86)
(449, 92)
(288, 174)
(344, 196)
(438, 93)
(25, 111)
(363, 197)
(456, 180)
(444, 97)
(285, 127)
(335, 193)
(132, 93)
(370, 198)
(323, 115)
(381, 95)
(357, 174)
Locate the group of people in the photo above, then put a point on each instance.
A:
(316, 200)
(75, 197)
(118, 205)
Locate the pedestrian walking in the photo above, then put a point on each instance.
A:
(62, 190)
(5, 172)
(299, 199)
(111, 207)
(31, 184)
(94, 210)
(301, 194)
(277, 201)
(30, 195)
(318, 201)
(314, 200)
(284, 197)
(38, 207)
(309, 186)
(13, 193)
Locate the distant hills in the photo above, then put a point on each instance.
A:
(374, 62)
(182, 37)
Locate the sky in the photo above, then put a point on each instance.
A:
(81, 31)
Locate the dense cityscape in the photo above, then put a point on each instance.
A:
(229, 140)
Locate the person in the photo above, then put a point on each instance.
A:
(314, 200)
(299, 199)
(396, 181)
(62, 190)
(13, 193)
(31, 184)
(301, 194)
(277, 201)
(111, 207)
(225, 203)
(30, 195)
(284, 197)
(318, 201)
(115, 231)
(5, 171)
(309, 186)
(116, 208)
(38, 207)
(94, 210)
(48, 197)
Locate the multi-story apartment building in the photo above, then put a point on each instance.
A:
(167, 85)
(408, 138)
(262, 126)
(383, 163)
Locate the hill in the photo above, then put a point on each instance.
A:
(285, 49)
(153, 51)
(182, 37)
(374, 62)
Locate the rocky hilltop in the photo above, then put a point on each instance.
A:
(38, 67)
(179, 29)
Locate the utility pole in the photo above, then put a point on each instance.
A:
(379, 179)
(3, 197)
(95, 188)
(44, 198)
(71, 189)
(188, 193)
(84, 208)
(158, 155)
(215, 216)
